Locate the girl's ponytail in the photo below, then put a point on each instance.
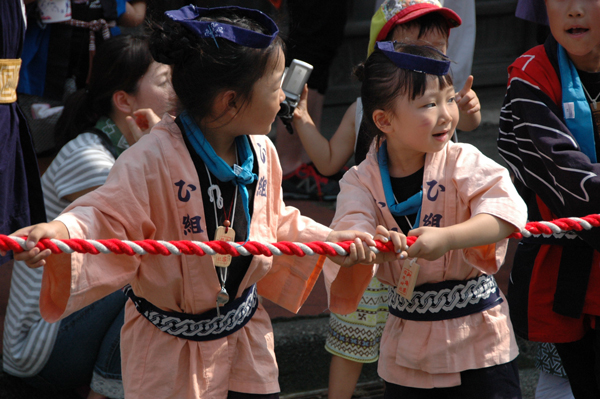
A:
(77, 115)
(359, 72)
(119, 64)
(171, 43)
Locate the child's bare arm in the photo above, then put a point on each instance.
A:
(135, 12)
(469, 107)
(482, 229)
(329, 156)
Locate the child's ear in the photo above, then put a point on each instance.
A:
(123, 102)
(226, 103)
(382, 121)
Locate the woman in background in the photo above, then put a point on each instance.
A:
(127, 92)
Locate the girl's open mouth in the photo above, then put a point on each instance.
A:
(440, 136)
(577, 31)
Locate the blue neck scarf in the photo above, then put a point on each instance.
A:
(408, 207)
(239, 175)
(577, 113)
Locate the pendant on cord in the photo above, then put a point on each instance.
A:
(408, 278)
(223, 295)
(596, 118)
(223, 233)
(595, 110)
(222, 299)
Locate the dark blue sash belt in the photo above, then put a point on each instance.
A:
(446, 299)
(202, 327)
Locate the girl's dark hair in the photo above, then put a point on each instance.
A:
(382, 82)
(119, 64)
(432, 22)
(203, 67)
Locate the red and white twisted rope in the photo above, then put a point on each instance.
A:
(558, 228)
(157, 247)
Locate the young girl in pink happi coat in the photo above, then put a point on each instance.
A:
(209, 172)
(460, 205)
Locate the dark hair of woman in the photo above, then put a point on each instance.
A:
(382, 82)
(119, 64)
(204, 67)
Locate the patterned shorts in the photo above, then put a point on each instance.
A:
(356, 336)
(548, 360)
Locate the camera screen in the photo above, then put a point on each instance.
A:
(296, 80)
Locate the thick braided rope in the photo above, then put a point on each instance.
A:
(153, 247)
(563, 227)
(557, 228)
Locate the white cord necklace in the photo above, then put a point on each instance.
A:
(405, 216)
(593, 100)
(223, 295)
(218, 202)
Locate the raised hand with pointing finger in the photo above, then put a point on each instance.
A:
(468, 106)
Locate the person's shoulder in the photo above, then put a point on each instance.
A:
(355, 111)
(85, 145)
(257, 139)
(84, 139)
(371, 159)
(163, 135)
(535, 69)
(535, 56)
(532, 66)
(263, 144)
(367, 171)
(461, 149)
(355, 106)
(467, 155)
(167, 127)
(460, 146)
(161, 148)
(82, 162)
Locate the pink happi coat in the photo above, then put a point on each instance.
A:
(140, 201)
(458, 182)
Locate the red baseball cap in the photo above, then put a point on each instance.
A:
(395, 12)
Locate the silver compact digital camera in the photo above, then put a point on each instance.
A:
(294, 79)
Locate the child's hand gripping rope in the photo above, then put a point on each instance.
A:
(48, 238)
(34, 244)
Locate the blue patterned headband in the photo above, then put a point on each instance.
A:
(414, 62)
(188, 16)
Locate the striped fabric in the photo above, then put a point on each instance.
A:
(83, 163)
(28, 340)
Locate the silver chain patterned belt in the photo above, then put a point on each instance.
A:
(446, 299)
(203, 327)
